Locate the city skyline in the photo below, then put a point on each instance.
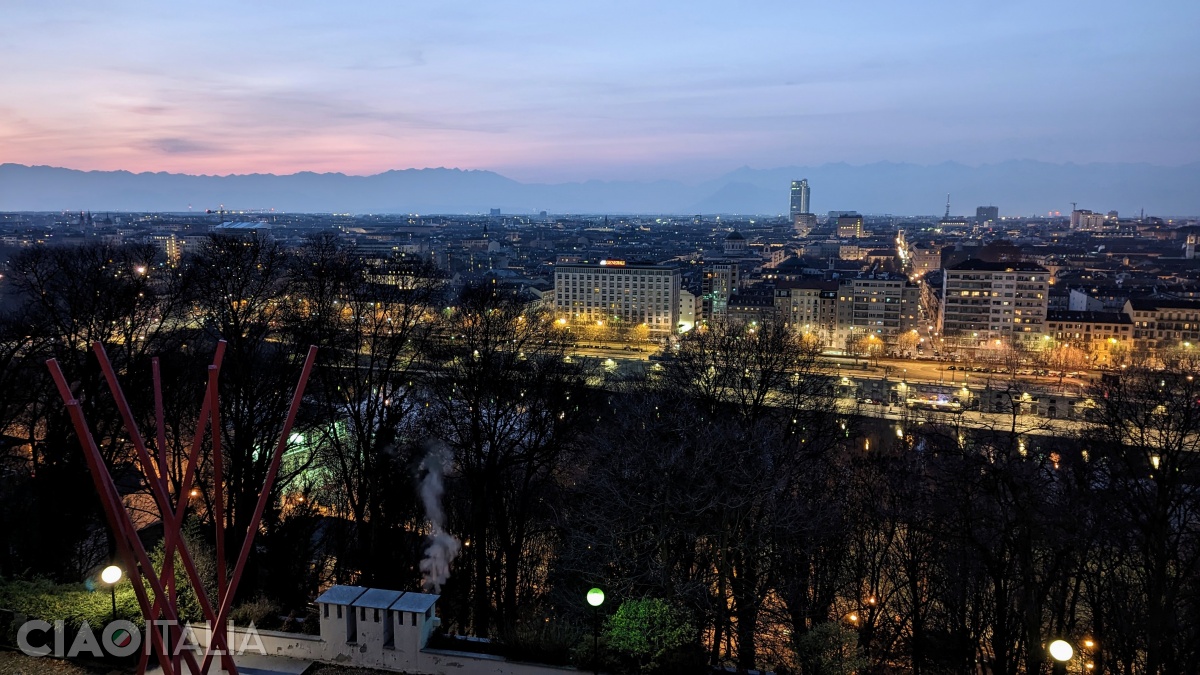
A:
(544, 93)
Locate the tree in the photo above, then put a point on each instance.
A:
(240, 288)
(906, 343)
(641, 333)
(1145, 441)
(371, 319)
(762, 385)
(857, 345)
(66, 299)
(510, 407)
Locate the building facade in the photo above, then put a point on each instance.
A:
(1164, 323)
(614, 290)
(808, 306)
(1104, 337)
(995, 300)
(799, 203)
(850, 227)
(882, 305)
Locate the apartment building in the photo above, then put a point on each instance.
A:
(1160, 323)
(884, 305)
(613, 289)
(1100, 334)
(808, 306)
(995, 300)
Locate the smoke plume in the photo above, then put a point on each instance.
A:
(443, 546)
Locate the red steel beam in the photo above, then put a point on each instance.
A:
(134, 556)
(164, 470)
(171, 527)
(265, 495)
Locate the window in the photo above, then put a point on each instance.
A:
(325, 607)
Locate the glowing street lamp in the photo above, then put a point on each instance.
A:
(595, 598)
(1062, 652)
(111, 575)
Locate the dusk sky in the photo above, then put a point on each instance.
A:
(556, 91)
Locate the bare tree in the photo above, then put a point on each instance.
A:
(373, 316)
(510, 406)
(1146, 437)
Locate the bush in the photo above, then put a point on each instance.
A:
(541, 642)
(830, 648)
(258, 611)
(70, 603)
(652, 635)
(206, 568)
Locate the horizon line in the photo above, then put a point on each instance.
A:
(601, 180)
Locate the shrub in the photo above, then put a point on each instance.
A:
(259, 611)
(70, 603)
(541, 642)
(830, 648)
(651, 633)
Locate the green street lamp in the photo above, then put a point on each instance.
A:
(595, 598)
(111, 575)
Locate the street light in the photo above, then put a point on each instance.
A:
(111, 575)
(595, 598)
(1061, 651)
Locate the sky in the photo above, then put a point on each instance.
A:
(577, 90)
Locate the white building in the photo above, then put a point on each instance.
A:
(995, 300)
(689, 309)
(367, 628)
(633, 294)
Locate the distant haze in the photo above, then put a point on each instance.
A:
(547, 91)
(1017, 188)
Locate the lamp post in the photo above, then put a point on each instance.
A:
(595, 598)
(111, 575)
(1061, 651)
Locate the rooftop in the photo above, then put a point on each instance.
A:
(341, 595)
(377, 598)
(985, 266)
(414, 602)
(1088, 317)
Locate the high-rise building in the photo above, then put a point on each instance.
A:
(634, 294)
(995, 300)
(986, 213)
(799, 197)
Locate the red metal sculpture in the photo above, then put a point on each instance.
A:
(163, 612)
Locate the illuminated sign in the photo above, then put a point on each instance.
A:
(612, 263)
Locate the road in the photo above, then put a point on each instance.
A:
(1031, 425)
(938, 372)
(926, 371)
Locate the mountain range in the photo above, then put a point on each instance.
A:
(1018, 187)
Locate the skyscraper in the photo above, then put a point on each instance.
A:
(799, 197)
